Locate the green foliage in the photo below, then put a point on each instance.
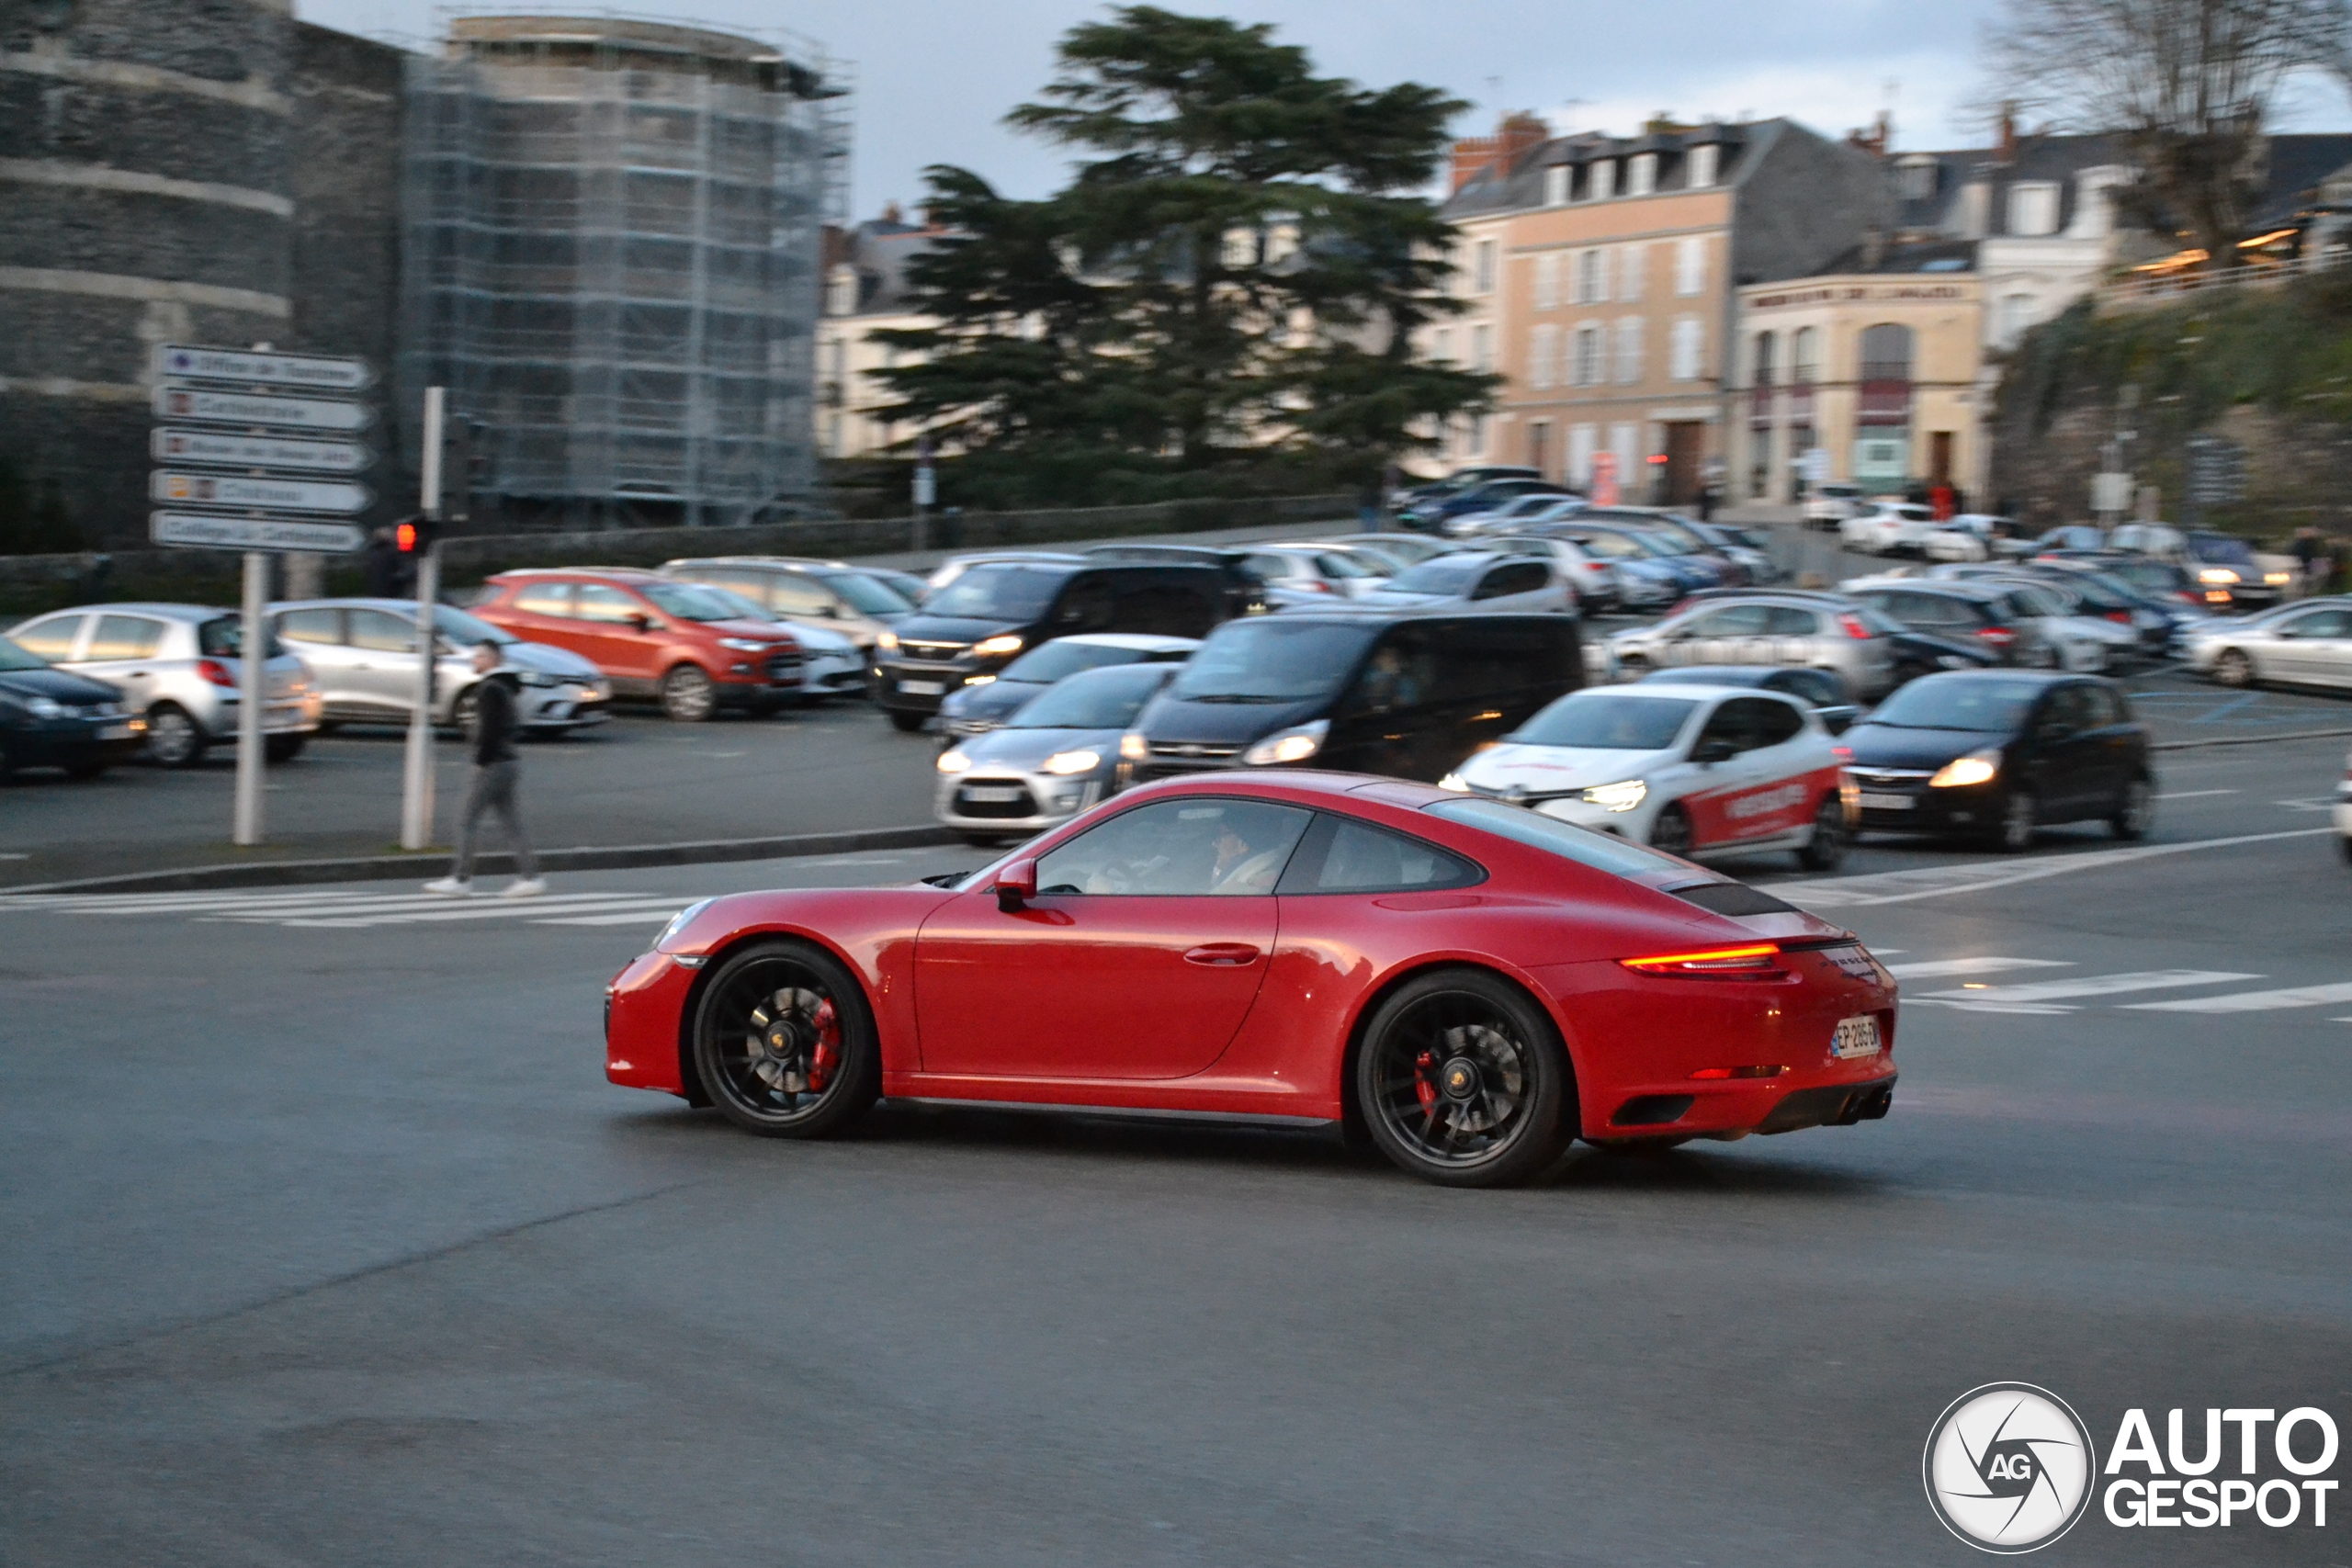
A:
(1226, 290)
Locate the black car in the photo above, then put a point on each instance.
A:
(1823, 690)
(997, 610)
(985, 705)
(1245, 591)
(52, 719)
(1995, 755)
(1409, 695)
(1984, 623)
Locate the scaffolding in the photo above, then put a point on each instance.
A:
(612, 237)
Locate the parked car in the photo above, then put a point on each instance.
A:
(2161, 540)
(2086, 643)
(831, 665)
(1054, 756)
(1644, 579)
(362, 656)
(1405, 696)
(993, 612)
(1888, 529)
(2072, 537)
(1827, 506)
(1519, 509)
(1245, 591)
(983, 705)
(1482, 580)
(1972, 537)
(1690, 573)
(1596, 583)
(177, 667)
(1997, 755)
(2307, 644)
(1823, 690)
(830, 596)
(2153, 578)
(1689, 541)
(1695, 771)
(1404, 550)
(1987, 613)
(1431, 516)
(50, 718)
(652, 635)
(1461, 479)
(1764, 626)
(2160, 617)
(1308, 576)
(953, 567)
(1745, 546)
(2228, 573)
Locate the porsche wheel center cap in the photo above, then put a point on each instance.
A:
(1459, 1078)
(780, 1040)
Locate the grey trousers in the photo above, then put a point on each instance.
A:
(494, 790)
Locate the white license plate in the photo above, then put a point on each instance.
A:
(1887, 803)
(923, 688)
(994, 792)
(1856, 1037)
(116, 732)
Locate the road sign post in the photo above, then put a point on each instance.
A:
(416, 782)
(253, 680)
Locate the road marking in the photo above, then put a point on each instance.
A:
(2195, 793)
(658, 915)
(2041, 996)
(484, 909)
(2323, 803)
(1937, 882)
(1934, 968)
(2254, 1001)
(324, 909)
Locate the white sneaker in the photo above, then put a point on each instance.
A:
(526, 887)
(451, 888)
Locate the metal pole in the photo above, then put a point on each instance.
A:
(254, 651)
(416, 789)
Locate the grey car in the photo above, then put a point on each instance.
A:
(1764, 628)
(177, 665)
(362, 658)
(1299, 576)
(1053, 759)
(2308, 645)
(975, 709)
(1514, 583)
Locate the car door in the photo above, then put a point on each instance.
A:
(542, 612)
(1522, 585)
(1741, 724)
(2065, 770)
(382, 671)
(314, 635)
(1791, 636)
(1139, 957)
(2111, 745)
(609, 619)
(1732, 635)
(2312, 647)
(121, 651)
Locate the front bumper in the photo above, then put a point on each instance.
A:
(567, 707)
(1965, 808)
(982, 801)
(77, 742)
(920, 686)
(280, 715)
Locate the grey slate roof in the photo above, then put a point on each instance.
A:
(1497, 190)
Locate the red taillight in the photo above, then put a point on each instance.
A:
(1843, 753)
(1753, 960)
(1999, 637)
(1757, 1072)
(2120, 617)
(1314, 587)
(217, 672)
(1854, 627)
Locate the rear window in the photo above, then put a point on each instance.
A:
(224, 638)
(1445, 576)
(1048, 663)
(1609, 721)
(1602, 852)
(1342, 855)
(1270, 658)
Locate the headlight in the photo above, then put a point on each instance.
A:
(979, 679)
(742, 645)
(1073, 762)
(1618, 796)
(535, 678)
(44, 707)
(1455, 782)
(953, 762)
(1291, 746)
(2277, 579)
(996, 647)
(1134, 748)
(2217, 574)
(678, 922)
(1976, 768)
(887, 642)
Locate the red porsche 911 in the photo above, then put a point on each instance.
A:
(1466, 984)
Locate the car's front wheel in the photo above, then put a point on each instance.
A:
(283, 748)
(904, 721)
(1461, 1081)
(2135, 811)
(2234, 668)
(688, 695)
(1825, 850)
(1671, 831)
(785, 1043)
(2018, 819)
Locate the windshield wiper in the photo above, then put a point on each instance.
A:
(1237, 697)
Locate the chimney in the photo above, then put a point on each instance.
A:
(890, 213)
(1515, 134)
(2006, 150)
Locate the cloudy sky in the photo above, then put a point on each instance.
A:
(934, 77)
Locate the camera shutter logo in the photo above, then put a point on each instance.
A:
(2008, 1467)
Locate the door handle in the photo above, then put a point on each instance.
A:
(1223, 954)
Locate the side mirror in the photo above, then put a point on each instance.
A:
(1015, 884)
(642, 622)
(1840, 718)
(1708, 752)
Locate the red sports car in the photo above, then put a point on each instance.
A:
(1467, 984)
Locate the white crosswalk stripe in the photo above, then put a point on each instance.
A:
(1937, 968)
(2045, 996)
(2254, 1001)
(328, 909)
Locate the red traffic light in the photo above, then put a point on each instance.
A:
(413, 534)
(405, 537)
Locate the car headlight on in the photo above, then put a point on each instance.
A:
(1134, 748)
(996, 647)
(743, 645)
(887, 642)
(1618, 796)
(44, 707)
(953, 762)
(979, 679)
(2217, 574)
(1455, 782)
(1073, 763)
(2277, 579)
(1290, 746)
(1976, 768)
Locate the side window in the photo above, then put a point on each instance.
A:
(1269, 567)
(1165, 605)
(1183, 848)
(125, 637)
(608, 606)
(51, 638)
(1401, 673)
(2060, 714)
(1787, 620)
(1513, 577)
(1821, 688)
(1776, 722)
(2318, 624)
(2101, 706)
(1734, 620)
(1737, 724)
(380, 633)
(1086, 605)
(545, 599)
(789, 594)
(1481, 660)
(320, 627)
(1341, 855)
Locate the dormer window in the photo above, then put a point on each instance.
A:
(1641, 175)
(1915, 178)
(841, 291)
(1603, 182)
(1555, 185)
(1701, 168)
(2033, 209)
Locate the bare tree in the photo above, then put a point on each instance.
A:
(2187, 83)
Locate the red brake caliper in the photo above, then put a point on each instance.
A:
(828, 1053)
(1425, 1078)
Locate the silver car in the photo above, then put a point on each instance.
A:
(1052, 760)
(1314, 574)
(178, 666)
(826, 595)
(1513, 583)
(831, 665)
(362, 658)
(2308, 644)
(1765, 628)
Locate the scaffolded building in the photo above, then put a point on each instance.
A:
(612, 234)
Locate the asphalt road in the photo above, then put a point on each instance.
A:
(325, 1242)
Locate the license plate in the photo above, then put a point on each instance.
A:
(1887, 803)
(116, 732)
(923, 688)
(1006, 793)
(1856, 1037)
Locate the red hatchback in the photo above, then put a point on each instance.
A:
(1465, 983)
(653, 636)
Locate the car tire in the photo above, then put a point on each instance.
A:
(1671, 832)
(1634, 665)
(2021, 817)
(905, 722)
(1827, 849)
(688, 695)
(175, 739)
(785, 1043)
(2232, 668)
(2135, 811)
(1459, 1055)
(2344, 842)
(283, 748)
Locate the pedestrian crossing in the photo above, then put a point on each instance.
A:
(331, 908)
(2061, 996)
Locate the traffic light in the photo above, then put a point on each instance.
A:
(414, 535)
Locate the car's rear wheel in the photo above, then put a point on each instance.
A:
(1827, 849)
(2021, 816)
(785, 1043)
(283, 748)
(173, 739)
(1462, 1081)
(688, 695)
(2135, 811)
(2234, 668)
(902, 720)
(1634, 664)
(1671, 831)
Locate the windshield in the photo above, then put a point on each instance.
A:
(2219, 548)
(1271, 661)
(225, 638)
(1602, 852)
(15, 658)
(1609, 721)
(468, 631)
(1960, 701)
(1043, 666)
(1098, 699)
(997, 593)
(1440, 576)
(693, 601)
(2152, 576)
(1680, 535)
(739, 606)
(867, 595)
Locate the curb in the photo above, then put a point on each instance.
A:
(373, 868)
(2247, 740)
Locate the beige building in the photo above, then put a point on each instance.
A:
(866, 287)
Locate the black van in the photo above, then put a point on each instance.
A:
(1406, 696)
(993, 612)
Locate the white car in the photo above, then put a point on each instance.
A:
(1972, 536)
(2344, 809)
(1890, 526)
(1830, 504)
(1693, 770)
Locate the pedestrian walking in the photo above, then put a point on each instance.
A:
(381, 569)
(497, 774)
(2313, 564)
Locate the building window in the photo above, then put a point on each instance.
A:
(1690, 267)
(1588, 365)
(1555, 185)
(1602, 184)
(1915, 178)
(1582, 443)
(1542, 352)
(1641, 175)
(1441, 345)
(2033, 209)
(841, 294)
(1699, 170)
(1631, 355)
(1767, 347)
(1632, 264)
(1622, 440)
(1760, 472)
(1482, 348)
(1482, 274)
(1684, 356)
(1804, 357)
(1480, 427)
(1539, 447)
(1592, 277)
(2017, 315)
(1547, 280)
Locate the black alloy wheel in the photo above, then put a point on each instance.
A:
(1671, 831)
(2135, 811)
(688, 695)
(1827, 849)
(785, 1043)
(1462, 1081)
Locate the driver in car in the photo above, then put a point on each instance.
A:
(1240, 869)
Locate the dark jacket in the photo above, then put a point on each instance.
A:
(387, 575)
(494, 719)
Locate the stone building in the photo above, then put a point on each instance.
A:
(866, 293)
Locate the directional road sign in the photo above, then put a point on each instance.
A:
(206, 531)
(236, 451)
(268, 494)
(257, 368)
(327, 414)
